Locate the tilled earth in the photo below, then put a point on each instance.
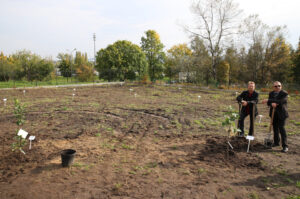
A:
(151, 142)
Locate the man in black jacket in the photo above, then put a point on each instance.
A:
(248, 99)
(278, 100)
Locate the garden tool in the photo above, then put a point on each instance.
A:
(238, 130)
(251, 137)
(268, 142)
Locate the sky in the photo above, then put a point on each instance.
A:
(49, 27)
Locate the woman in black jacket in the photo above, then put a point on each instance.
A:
(278, 100)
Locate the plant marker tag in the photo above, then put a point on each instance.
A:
(24, 91)
(249, 138)
(32, 137)
(130, 89)
(74, 89)
(199, 97)
(22, 133)
(230, 145)
(260, 116)
(4, 100)
(135, 94)
(236, 94)
(22, 151)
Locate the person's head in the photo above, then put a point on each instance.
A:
(251, 86)
(277, 86)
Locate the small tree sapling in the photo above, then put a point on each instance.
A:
(19, 112)
(230, 116)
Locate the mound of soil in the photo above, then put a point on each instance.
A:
(218, 152)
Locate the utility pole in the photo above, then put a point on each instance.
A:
(94, 38)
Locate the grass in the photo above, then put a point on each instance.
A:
(82, 166)
(298, 184)
(253, 195)
(53, 82)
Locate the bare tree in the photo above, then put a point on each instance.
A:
(216, 21)
(259, 37)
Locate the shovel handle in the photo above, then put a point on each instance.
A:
(272, 118)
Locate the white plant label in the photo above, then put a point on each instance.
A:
(74, 89)
(249, 137)
(131, 89)
(199, 96)
(73, 94)
(260, 116)
(32, 137)
(236, 94)
(135, 94)
(22, 133)
(4, 100)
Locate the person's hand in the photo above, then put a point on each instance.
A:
(274, 105)
(265, 101)
(244, 103)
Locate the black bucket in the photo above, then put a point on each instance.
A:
(67, 157)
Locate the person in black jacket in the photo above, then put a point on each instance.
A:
(247, 99)
(278, 100)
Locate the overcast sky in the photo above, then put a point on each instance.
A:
(50, 27)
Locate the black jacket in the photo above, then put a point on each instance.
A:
(251, 100)
(281, 101)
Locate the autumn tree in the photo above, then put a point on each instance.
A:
(223, 72)
(278, 61)
(153, 49)
(232, 58)
(121, 60)
(260, 38)
(5, 67)
(178, 60)
(296, 63)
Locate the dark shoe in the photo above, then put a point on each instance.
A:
(275, 145)
(285, 149)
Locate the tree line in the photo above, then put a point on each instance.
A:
(224, 48)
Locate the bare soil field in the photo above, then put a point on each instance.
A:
(136, 141)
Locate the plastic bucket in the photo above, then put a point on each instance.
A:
(67, 157)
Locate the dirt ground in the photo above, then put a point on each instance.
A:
(136, 141)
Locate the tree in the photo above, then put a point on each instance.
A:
(84, 72)
(178, 60)
(153, 49)
(84, 69)
(232, 58)
(296, 62)
(260, 38)
(200, 60)
(223, 72)
(121, 60)
(31, 66)
(217, 20)
(278, 61)
(5, 68)
(64, 64)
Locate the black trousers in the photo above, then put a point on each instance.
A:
(243, 115)
(278, 127)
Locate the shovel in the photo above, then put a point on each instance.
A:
(251, 137)
(268, 142)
